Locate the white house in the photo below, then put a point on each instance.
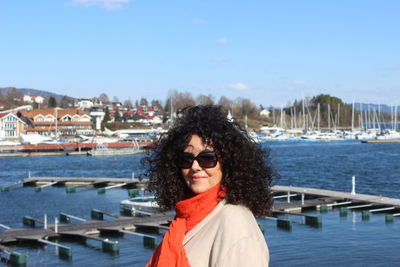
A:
(32, 99)
(84, 103)
(11, 126)
(264, 113)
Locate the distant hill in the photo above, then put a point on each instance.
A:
(34, 92)
(366, 106)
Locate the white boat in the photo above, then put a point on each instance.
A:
(142, 205)
(103, 150)
(389, 135)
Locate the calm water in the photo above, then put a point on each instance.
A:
(341, 241)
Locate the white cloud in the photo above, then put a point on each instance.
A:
(238, 86)
(222, 41)
(107, 4)
(197, 21)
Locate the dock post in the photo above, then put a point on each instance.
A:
(110, 246)
(365, 215)
(353, 185)
(45, 221)
(315, 221)
(17, 259)
(343, 212)
(389, 218)
(288, 197)
(65, 253)
(323, 208)
(149, 242)
(27, 220)
(56, 224)
(101, 190)
(4, 189)
(96, 214)
(284, 224)
(69, 190)
(261, 226)
(302, 199)
(64, 218)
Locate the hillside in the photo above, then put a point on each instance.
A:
(33, 92)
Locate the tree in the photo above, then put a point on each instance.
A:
(106, 118)
(156, 103)
(225, 102)
(66, 101)
(52, 102)
(246, 108)
(205, 100)
(143, 102)
(180, 100)
(104, 98)
(117, 116)
(128, 102)
(13, 94)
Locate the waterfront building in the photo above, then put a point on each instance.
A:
(56, 121)
(11, 127)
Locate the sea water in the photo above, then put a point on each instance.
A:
(341, 241)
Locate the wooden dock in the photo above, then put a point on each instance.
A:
(288, 201)
(23, 234)
(379, 141)
(336, 196)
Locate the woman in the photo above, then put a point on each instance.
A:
(217, 179)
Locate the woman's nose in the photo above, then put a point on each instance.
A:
(195, 165)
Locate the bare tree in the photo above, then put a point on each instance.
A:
(205, 100)
(246, 107)
(143, 102)
(226, 103)
(181, 100)
(104, 98)
(128, 102)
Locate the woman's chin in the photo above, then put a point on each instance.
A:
(199, 187)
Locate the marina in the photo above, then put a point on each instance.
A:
(336, 221)
(289, 201)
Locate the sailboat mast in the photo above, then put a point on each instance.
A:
(352, 118)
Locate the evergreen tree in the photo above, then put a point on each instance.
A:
(52, 102)
(117, 116)
(105, 119)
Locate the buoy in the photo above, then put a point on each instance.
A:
(115, 158)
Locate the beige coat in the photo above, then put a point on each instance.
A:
(228, 237)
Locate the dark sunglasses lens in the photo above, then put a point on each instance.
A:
(186, 161)
(207, 160)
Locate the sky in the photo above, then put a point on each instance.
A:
(270, 51)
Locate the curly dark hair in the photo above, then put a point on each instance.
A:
(246, 166)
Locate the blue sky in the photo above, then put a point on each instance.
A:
(271, 52)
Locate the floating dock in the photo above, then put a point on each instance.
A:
(288, 201)
(379, 141)
(61, 148)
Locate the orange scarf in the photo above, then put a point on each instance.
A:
(189, 213)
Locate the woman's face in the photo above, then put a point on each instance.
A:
(200, 179)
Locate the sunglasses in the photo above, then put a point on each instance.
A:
(204, 159)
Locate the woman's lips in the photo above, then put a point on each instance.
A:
(198, 178)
